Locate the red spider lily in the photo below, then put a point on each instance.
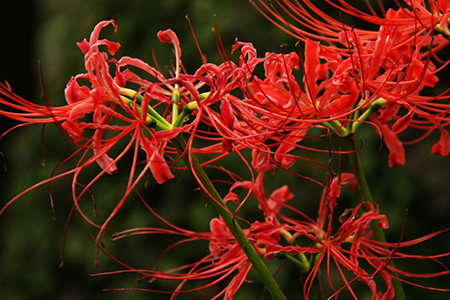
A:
(342, 88)
(101, 100)
(100, 103)
(328, 245)
(106, 90)
(277, 110)
(225, 259)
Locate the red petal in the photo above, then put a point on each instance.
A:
(443, 146)
(168, 36)
(397, 155)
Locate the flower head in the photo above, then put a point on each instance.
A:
(112, 109)
(225, 262)
(378, 76)
(348, 248)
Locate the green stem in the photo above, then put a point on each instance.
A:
(200, 174)
(350, 145)
(176, 100)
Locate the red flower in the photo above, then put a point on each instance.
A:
(225, 260)
(103, 115)
(348, 246)
(278, 110)
(374, 76)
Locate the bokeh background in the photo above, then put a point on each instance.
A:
(31, 242)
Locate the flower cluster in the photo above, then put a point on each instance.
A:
(360, 73)
(341, 78)
(102, 103)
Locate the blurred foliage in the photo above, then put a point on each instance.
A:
(31, 243)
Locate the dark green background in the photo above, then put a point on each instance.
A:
(30, 242)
